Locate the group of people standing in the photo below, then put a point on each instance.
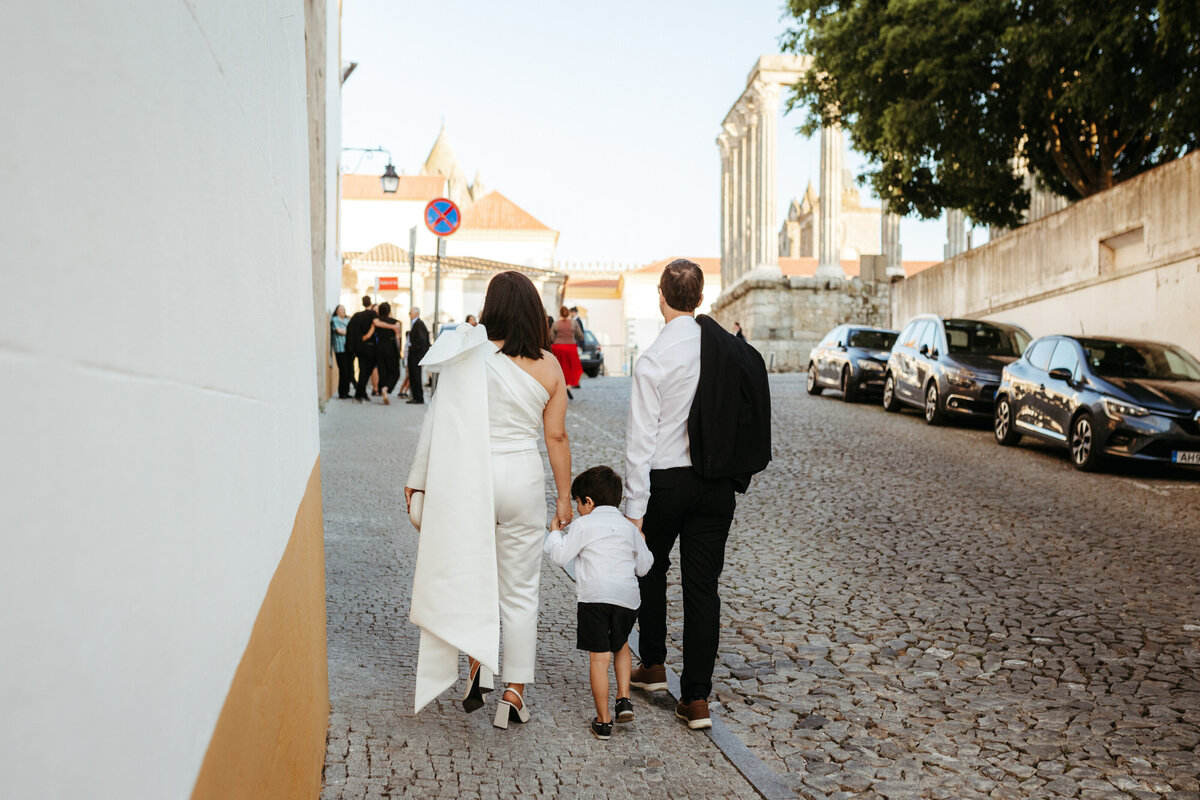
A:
(566, 337)
(699, 428)
(370, 340)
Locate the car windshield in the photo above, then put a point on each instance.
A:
(1140, 360)
(966, 337)
(872, 340)
(589, 340)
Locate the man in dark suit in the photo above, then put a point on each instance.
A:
(418, 346)
(364, 351)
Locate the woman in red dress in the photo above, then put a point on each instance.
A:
(566, 349)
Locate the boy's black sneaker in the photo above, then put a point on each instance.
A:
(623, 710)
(601, 730)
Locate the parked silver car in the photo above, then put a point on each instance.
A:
(1103, 397)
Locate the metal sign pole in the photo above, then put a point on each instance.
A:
(437, 284)
(412, 261)
(442, 217)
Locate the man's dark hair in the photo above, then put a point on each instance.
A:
(601, 484)
(512, 311)
(682, 284)
(366, 301)
(574, 309)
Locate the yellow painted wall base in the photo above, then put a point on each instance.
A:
(270, 738)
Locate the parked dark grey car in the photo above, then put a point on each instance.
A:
(851, 359)
(950, 367)
(591, 356)
(1103, 397)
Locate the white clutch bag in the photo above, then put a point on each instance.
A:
(415, 506)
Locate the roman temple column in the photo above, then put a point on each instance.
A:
(737, 226)
(768, 126)
(726, 215)
(889, 237)
(753, 185)
(829, 245)
(956, 232)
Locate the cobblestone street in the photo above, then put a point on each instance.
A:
(908, 612)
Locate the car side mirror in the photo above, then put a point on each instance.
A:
(1061, 374)
(924, 350)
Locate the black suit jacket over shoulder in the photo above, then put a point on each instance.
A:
(729, 426)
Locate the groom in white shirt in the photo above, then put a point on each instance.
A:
(667, 499)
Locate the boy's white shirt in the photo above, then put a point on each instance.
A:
(609, 555)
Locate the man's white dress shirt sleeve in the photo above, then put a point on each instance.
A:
(644, 558)
(641, 436)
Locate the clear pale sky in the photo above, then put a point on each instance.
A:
(600, 119)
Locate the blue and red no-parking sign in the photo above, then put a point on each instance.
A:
(442, 216)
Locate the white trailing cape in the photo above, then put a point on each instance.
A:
(455, 589)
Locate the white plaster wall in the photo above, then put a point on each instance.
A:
(333, 152)
(367, 223)
(158, 376)
(1161, 304)
(1051, 277)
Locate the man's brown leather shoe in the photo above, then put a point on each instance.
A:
(650, 679)
(695, 714)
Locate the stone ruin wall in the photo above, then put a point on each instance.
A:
(785, 318)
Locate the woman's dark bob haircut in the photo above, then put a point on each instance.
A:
(513, 311)
(385, 309)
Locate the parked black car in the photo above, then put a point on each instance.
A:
(591, 355)
(852, 359)
(1103, 397)
(950, 366)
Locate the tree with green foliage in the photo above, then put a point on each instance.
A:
(947, 97)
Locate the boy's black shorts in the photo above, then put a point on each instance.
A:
(604, 627)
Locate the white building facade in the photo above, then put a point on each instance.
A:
(161, 567)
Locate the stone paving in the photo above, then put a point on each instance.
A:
(908, 613)
(915, 612)
(378, 748)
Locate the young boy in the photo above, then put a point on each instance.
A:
(609, 554)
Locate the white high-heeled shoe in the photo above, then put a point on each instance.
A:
(506, 711)
(477, 685)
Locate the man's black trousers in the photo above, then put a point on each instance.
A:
(698, 512)
(345, 365)
(414, 380)
(366, 365)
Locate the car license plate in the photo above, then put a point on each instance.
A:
(1186, 457)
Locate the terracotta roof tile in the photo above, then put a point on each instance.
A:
(494, 211)
(356, 186)
(392, 255)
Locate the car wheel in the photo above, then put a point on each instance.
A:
(1002, 424)
(812, 385)
(849, 393)
(890, 403)
(933, 407)
(1085, 454)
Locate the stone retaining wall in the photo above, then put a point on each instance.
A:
(784, 318)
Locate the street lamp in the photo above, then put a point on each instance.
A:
(389, 179)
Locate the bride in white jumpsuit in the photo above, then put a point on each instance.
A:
(483, 510)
